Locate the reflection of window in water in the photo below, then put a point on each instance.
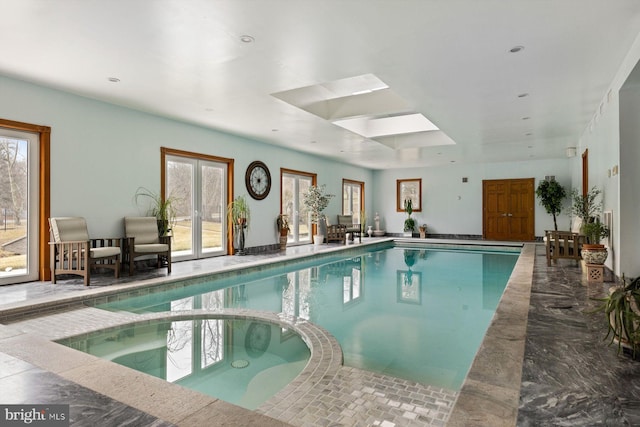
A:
(351, 286)
(213, 300)
(179, 348)
(295, 297)
(212, 341)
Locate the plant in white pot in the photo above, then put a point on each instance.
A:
(316, 199)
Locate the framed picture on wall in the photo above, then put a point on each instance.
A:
(409, 189)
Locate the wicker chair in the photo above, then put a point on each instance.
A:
(72, 252)
(142, 239)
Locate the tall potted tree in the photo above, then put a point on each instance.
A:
(316, 199)
(551, 195)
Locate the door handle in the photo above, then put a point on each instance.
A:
(509, 214)
(504, 214)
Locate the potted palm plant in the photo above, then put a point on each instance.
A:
(239, 215)
(163, 209)
(316, 200)
(621, 308)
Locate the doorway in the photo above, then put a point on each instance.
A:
(199, 186)
(508, 209)
(294, 185)
(19, 206)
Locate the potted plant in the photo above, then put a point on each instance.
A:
(409, 223)
(162, 208)
(316, 200)
(588, 208)
(282, 223)
(239, 215)
(621, 308)
(551, 195)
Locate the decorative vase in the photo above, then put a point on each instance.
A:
(318, 239)
(594, 254)
(283, 242)
(370, 231)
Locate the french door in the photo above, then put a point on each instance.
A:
(199, 184)
(19, 208)
(508, 209)
(293, 186)
(353, 199)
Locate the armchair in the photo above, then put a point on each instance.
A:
(72, 252)
(351, 227)
(142, 238)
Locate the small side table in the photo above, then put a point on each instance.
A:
(595, 273)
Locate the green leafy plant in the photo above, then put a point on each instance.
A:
(316, 200)
(586, 206)
(238, 211)
(551, 195)
(162, 208)
(621, 309)
(595, 231)
(409, 223)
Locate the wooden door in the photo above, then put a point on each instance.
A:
(508, 209)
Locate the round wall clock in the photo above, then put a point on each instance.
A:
(258, 180)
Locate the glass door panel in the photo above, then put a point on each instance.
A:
(18, 206)
(200, 186)
(293, 187)
(180, 183)
(213, 225)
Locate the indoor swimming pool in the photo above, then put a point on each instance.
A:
(418, 313)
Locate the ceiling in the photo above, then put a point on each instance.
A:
(283, 71)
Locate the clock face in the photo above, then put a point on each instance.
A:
(257, 339)
(258, 180)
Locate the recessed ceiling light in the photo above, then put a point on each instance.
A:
(453, 161)
(526, 118)
(113, 79)
(516, 49)
(528, 134)
(275, 130)
(529, 146)
(246, 39)
(314, 141)
(523, 95)
(208, 109)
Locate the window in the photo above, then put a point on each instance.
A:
(353, 199)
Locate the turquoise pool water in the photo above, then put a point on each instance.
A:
(244, 362)
(414, 313)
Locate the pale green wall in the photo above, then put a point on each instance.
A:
(101, 153)
(602, 137)
(453, 207)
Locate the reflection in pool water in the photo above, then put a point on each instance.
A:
(240, 361)
(418, 314)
